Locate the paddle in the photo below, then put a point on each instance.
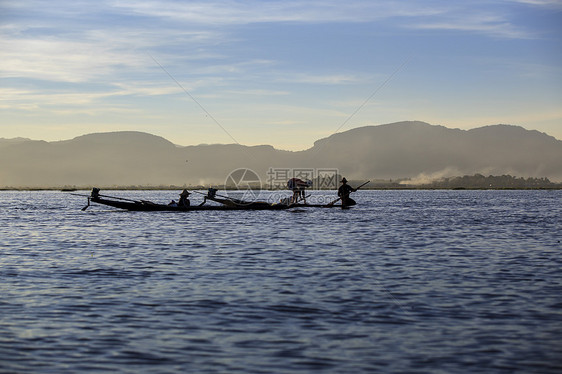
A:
(110, 197)
(88, 196)
(339, 198)
(233, 200)
(79, 194)
(120, 198)
(86, 207)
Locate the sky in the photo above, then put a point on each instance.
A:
(284, 73)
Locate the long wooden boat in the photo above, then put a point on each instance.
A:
(226, 204)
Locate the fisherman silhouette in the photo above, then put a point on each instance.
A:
(184, 201)
(343, 192)
(298, 187)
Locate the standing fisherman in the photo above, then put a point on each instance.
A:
(344, 191)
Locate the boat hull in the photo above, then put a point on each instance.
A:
(148, 206)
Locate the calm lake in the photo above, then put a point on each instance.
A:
(406, 281)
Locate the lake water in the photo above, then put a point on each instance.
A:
(406, 281)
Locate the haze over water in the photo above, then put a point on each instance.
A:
(407, 281)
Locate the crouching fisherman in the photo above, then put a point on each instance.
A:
(184, 201)
(95, 193)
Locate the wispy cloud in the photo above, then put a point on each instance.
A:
(243, 12)
(467, 17)
(555, 4)
(73, 42)
(259, 92)
(77, 98)
(326, 79)
(485, 25)
(60, 60)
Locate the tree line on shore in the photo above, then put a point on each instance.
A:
(476, 181)
(479, 181)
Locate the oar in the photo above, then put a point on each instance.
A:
(339, 198)
(78, 194)
(88, 196)
(120, 198)
(200, 193)
(86, 207)
(235, 201)
(110, 197)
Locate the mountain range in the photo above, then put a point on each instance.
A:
(409, 149)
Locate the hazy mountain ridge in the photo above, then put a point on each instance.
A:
(399, 150)
(8, 142)
(414, 148)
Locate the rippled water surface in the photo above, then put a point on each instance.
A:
(407, 281)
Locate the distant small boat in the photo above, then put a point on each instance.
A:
(226, 204)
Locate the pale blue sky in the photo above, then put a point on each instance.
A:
(284, 73)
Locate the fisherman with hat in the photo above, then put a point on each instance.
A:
(184, 201)
(344, 191)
